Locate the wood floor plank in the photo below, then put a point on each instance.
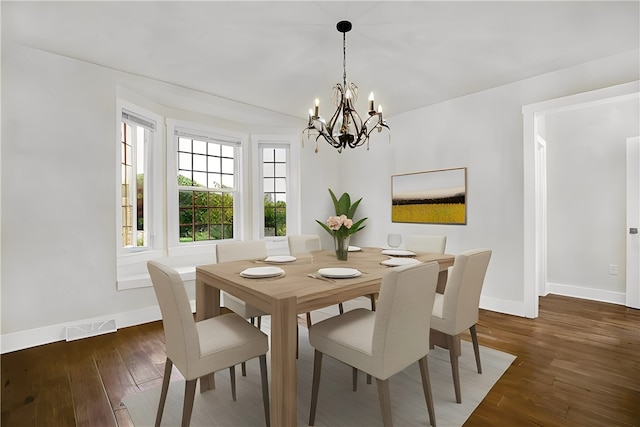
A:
(122, 418)
(24, 415)
(137, 354)
(90, 399)
(116, 378)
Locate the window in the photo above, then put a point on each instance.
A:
(136, 140)
(274, 184)
(204, 185)
(206, 189)
(277, 185)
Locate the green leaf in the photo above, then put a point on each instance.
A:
(345, 204)
(352, 209)
(336, 205)
(357, 226)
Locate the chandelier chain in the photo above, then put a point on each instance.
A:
(344, 59)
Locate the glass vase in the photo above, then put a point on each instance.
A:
(342, 247)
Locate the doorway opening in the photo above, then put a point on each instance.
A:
(535, 187)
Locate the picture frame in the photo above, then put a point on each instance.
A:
(430, 197)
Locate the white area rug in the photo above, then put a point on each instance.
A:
(338, 405)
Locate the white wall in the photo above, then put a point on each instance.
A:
(586, 178)
(58, 145)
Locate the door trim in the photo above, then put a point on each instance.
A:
(632, 298)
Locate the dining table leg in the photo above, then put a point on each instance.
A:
(442, 281)
(283, 363)
(207, 305)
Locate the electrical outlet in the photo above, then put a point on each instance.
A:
(613, 269)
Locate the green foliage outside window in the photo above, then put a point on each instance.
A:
(204, 215)
(275, 218)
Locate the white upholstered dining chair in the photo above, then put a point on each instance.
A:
(237, 251)
(201, 348)
(457, 309)
(383, 342)
(303, 243)
(425, 243)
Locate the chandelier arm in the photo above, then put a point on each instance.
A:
(334, 118)
(331, 141)
(326, 131)
(358, 127)
(379, 119)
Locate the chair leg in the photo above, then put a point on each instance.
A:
(340, 308)
(265, 388)
(355, 379)
(354, 375)
(259, 322)
(453, 356)
(317, 366)
(372, 297)
(243, 365)
(187, 406)
(385, 402)
(308, 320)
(476, 347)
(168, 364)
(426, 387)
(232, 376)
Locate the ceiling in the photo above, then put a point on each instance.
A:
(282, 55)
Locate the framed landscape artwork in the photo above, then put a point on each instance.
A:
(431, 197)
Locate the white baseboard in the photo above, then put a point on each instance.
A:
(515, 308)
(586, 293)
(48, 334)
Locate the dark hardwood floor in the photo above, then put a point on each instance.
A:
(578, 364)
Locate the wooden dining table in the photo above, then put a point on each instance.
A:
(285, 297)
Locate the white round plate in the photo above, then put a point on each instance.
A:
(339, 273)
(354, 249)
(395, 262)
(261, 272)
(276, 259)
(397, 252)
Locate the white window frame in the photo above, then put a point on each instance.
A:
(240, 221)
(291, 144)
(129, 260)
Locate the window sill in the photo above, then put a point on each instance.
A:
(132, 270)
(134, 281)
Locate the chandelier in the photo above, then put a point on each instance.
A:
(345, 128)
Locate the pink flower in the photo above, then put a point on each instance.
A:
(334, 222)
(347, 222)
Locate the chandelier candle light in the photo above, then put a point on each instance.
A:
(345, 128)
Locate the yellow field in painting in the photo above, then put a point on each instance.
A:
(445, 213)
